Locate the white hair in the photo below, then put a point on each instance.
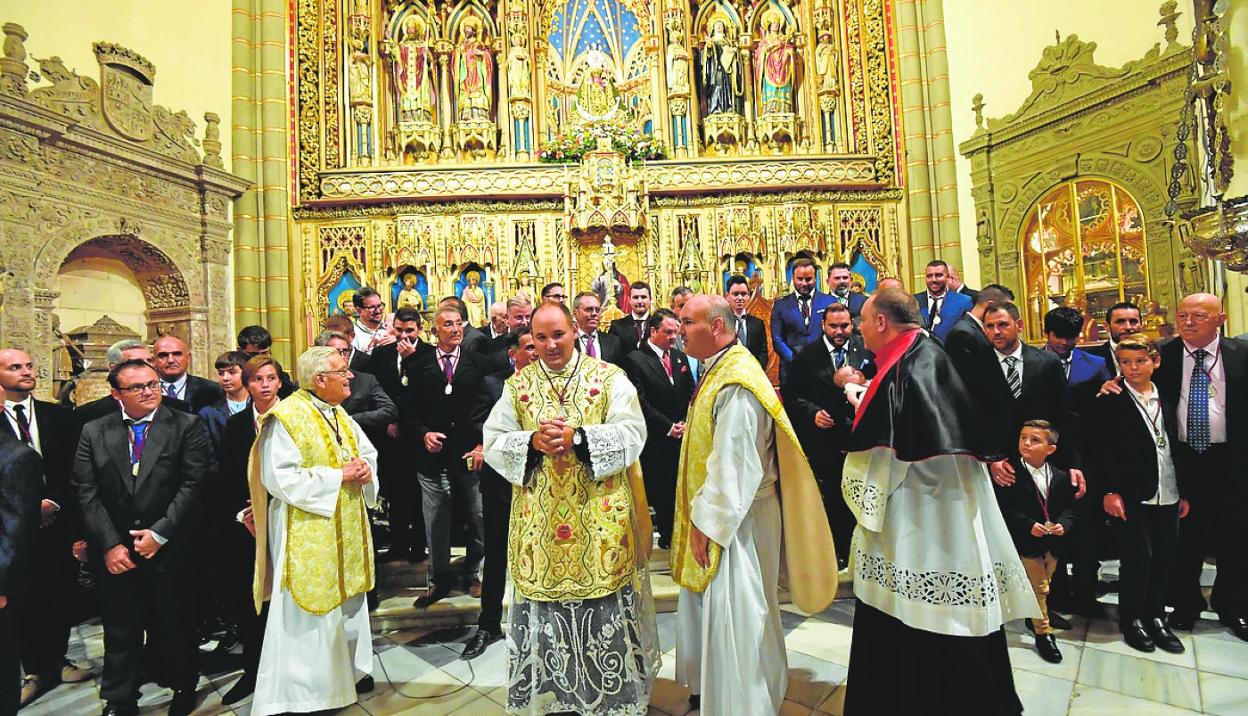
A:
(115, 351)
(313, 361)
(498, 308)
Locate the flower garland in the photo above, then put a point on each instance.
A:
(571, 145)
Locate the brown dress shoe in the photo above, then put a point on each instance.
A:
(473, 587)
(71, 673)
(32, 688)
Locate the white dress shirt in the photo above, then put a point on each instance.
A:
(1041, 476)
(1149, 407)
(1217, 392)
(933, 311)
(1018, 353)
(28, 405)
(454, 354)
(179, 387)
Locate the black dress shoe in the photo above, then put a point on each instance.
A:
(695, 700)
(431, 596)
(1181, 621)
(1237, 625)
(115, 708)
(1163, 638)
(241, 689)
(1046, 645)
(183, 702)
(479, 643)
(365, 685)
(1137, 636)
(1057, 621)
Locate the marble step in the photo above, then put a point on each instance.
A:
(400, 583)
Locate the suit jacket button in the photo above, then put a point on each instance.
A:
(136, 523)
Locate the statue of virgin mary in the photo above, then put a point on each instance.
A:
(597, 99)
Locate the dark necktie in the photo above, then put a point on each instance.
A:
(448, 368)
(933, 315)
(23, 425)
(838, 360)
(1198, 436)
(639, 324)
(1066, 367)
(1012, 378)
(170, 391)
(805, 301)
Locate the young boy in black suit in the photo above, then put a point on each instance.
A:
(1142, 494)
(1039, 509)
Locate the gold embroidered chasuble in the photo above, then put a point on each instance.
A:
(327, 560)
(809, 557)
(573, 536)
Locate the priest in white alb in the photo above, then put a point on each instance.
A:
(745, 496)
(313, 474)
(567, 433)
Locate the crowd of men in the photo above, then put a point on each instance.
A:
(1118, 449)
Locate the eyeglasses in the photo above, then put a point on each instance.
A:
(344, 372)
(153, 387)
(344, 351)
(378, 307)
(555, 296)
(1195, 317)
(591, 311)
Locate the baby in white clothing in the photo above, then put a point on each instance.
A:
(853, 382)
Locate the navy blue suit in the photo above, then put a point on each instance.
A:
(1086, 367)
(789, 333)
(951, 310)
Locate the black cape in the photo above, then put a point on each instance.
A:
(921, 409)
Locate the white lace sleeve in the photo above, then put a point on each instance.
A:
(868, 478)
(617, 443)
(505, 444)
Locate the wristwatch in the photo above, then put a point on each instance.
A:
(578, 436)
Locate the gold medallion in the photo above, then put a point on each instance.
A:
(1213, 391)
(1161, 441)
(134, 469)
(448, 389)
(403, 380)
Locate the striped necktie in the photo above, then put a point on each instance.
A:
(1012, 378)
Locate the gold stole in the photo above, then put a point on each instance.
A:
(573, 537)
(811, 562)
(328, 560)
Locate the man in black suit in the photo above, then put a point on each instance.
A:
(358, 361)
(496, 508)
(439, 418)
(631, 329)
(840, 278)
(475, 340)
(1122, 319)
(519, 311)
(257, 341)
(973, 356)
(20, 487)
(233, 523)
(394, 367)
(823, 416)
(751, 331)
(589, 340)
(1203, 378)
(173, 360)
(664, 385)
(48, 614)
(955, 283)
(138, 474)
(124, 350)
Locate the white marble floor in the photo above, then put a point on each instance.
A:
(420, 673)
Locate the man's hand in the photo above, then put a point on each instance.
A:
(1113, 386)
(381, 338)
(79, 550)
(1038, 530)
(1057, 530)
(405, 347)
(1078, 482)
(1002, 473)
(1114, 507)
(249, 520)
(4, 601)
(475, 457)
(823, 420)
(1184, 508)
(677, 431)
(144, 543)
(433, 441)
(700, 544)
(553, 437)
(393, 431)
(356, 472)
(117, 560)
(47, 513)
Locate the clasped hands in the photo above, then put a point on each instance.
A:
(1041, 529)
(356, 472)
(553, 437)
(117, 560)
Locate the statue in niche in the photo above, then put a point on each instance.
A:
(677, 65)
(518, 66)
(474, 72)
(721, 72)
(773, 63)
(827, 66)
(474, 298)
(409, 297)
(414, 71)
(597, 98)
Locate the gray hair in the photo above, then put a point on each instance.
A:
(518, 302)
(498, 308)
(115, 351)
(718, 307)
(326, 336)
(314, 361)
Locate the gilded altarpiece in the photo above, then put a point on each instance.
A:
(488, 147)
(1070, 190)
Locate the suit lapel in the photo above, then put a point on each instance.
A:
(154, 444)
(1031, 366)
(117, 446)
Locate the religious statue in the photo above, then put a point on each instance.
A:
(721, 72)
(413, 69)
(518, 83)
(474, 72)
(409, 297)
(346, 306)
(827, 61)
(473, 297)
(597, 98)
(773, 63)
(677, 65)
(610, 285)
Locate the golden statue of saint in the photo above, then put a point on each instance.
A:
(409, 297)
(474, 298)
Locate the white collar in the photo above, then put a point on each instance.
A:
(177, 384)
(808, 297)
(454, 353)
(1016, 353)
(1041, 472)
(832, 346)
(27, 403)
(711, 361)
(145, 419)
(1150, 395)
(936, 297)
(635, 317)
(1210, 349)
(658, 351)
(978, 321)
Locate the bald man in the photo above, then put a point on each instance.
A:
(889, 282)
(172, 361)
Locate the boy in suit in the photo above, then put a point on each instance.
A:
(1039, 509)
(1142, 493)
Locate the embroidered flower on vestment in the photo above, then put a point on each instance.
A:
(564, 531)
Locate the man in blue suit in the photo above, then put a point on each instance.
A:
(839, 279)
(795, 318)
(941, 308)
(1085, 374)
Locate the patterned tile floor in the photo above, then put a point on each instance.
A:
(420, 673)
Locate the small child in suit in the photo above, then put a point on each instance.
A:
(1039, 509)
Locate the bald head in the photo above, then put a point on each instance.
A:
(889, 282)
(17, 374)
(1199, 318)
(172, 358)
(886, 315)
(708, 325)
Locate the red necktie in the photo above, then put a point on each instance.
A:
(667, 363)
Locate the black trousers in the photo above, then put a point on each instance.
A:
(1215, 487)
(840, 517)
(1080, 555)
(496, 511)
(1148, 542)
(48, 612)
(401, 489)
(10, 668)
(166, 598)
(237, 603)
(659, 464)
